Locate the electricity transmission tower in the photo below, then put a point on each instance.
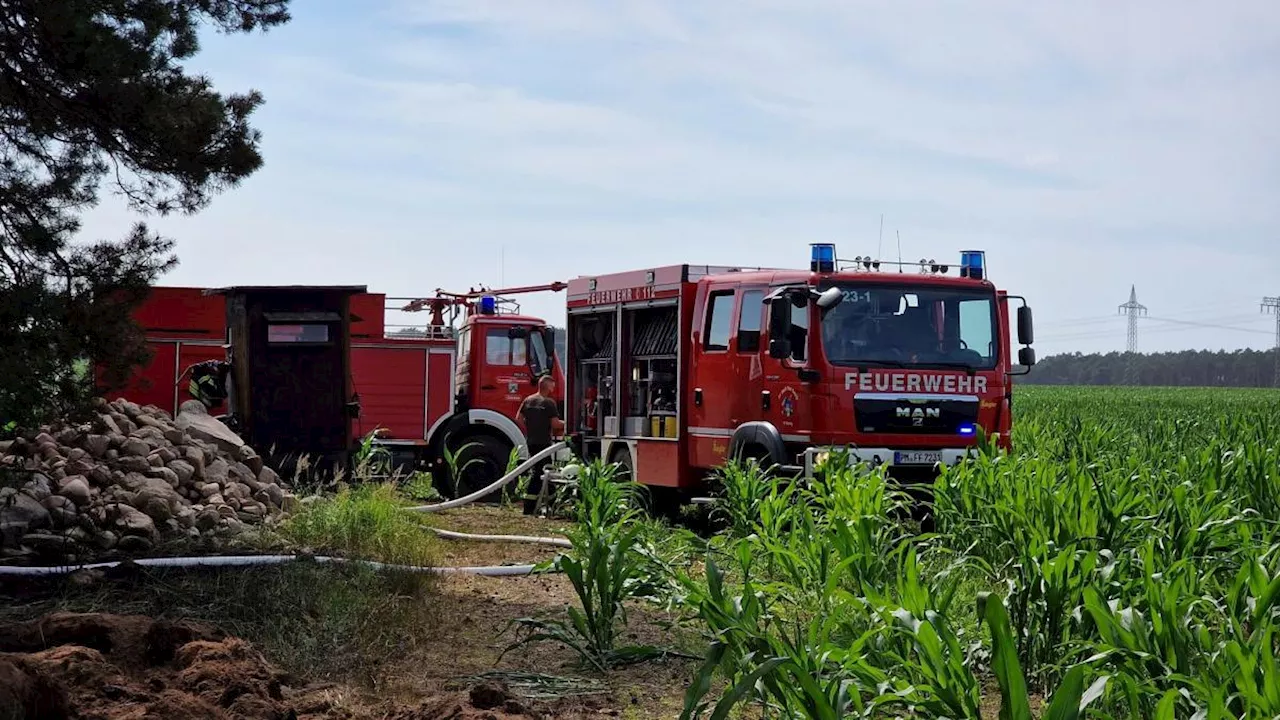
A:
(1272, 305)
(1133, 308)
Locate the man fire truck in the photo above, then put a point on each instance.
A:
(672, 370)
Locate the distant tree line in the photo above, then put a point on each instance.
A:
(1201, 368)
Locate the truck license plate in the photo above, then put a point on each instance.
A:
(917, 457)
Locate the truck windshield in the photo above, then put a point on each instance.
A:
(915, 326)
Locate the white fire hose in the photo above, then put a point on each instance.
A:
(250, 560)
(501, 482)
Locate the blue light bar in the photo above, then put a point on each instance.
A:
(967, 429)
(822, 257)
(488, 305)
(973, 264)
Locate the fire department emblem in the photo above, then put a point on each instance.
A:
(788, 402)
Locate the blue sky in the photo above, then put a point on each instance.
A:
(1086, 146)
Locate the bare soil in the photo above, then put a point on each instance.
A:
(165, 663)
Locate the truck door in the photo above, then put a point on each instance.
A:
(791, 399)
(748, 368)
(712, 377)
(500, 369)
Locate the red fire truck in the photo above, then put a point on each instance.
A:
(460, 378)
(673, 369)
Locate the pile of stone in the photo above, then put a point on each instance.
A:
(130, 481)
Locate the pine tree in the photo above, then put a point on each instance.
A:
(93, 95)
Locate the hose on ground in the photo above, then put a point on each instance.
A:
(520, 469)
(251, 560)
(451, 535)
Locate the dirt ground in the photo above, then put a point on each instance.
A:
(112, 667)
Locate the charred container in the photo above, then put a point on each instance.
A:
(291, 359)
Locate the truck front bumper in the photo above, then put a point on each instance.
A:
(877, 457)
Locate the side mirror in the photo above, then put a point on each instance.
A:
(1027, 356)
(780, 327)
(1026, 333)
(830, 298)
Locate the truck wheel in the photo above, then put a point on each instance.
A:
(757, 453)
(481, 460)
(626, 468)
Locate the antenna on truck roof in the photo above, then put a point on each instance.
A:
(899, 234)
(880, 241)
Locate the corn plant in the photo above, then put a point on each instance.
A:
(1132, 538)
(608, 566)
(370, 459)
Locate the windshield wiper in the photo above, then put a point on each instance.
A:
(946, 364)
(859, 364)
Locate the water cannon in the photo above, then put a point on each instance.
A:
(822, 257)
(973, 264)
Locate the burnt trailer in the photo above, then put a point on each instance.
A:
(292, 391)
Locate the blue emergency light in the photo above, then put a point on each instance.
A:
(967, 429)
(822, 257)
(488, 305)
(973, 264)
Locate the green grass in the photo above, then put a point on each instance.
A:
(368, 522)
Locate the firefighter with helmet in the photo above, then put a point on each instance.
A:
(211, 382)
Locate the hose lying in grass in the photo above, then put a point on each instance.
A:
(249, 560)
(451, 535)
(499, 483)
(520, 469)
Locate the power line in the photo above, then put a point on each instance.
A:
(1272, 305)
(1211, 326)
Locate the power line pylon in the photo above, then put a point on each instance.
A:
(1272, 305)
(1133, 308)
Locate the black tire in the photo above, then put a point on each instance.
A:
(481, 460)
(755, 452)
(626, 467)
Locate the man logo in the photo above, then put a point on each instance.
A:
(918, 415)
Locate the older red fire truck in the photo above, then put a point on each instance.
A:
(673, 369)
(455, 383)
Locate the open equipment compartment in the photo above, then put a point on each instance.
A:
(652, 364)
(592, 368)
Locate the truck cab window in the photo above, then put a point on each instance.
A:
(799, 332)
(975, 328)
(719, 323)
(749, 321)
(538, 360)
(503, 350)
(464, 345)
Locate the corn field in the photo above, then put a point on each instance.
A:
(1122, 562)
